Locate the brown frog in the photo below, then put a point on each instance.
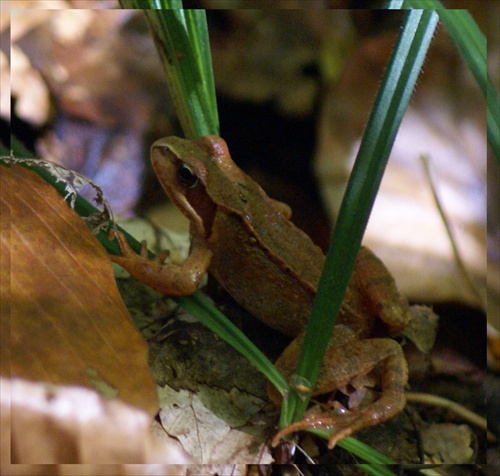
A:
(248, 243)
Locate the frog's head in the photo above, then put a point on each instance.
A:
(200, 177)
(180, 167)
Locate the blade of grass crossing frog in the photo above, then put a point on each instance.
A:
(376, 144)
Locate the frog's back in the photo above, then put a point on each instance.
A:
(245, 198)
(288, 245)
(265, 262)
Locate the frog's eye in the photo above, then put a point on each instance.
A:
(186, 176)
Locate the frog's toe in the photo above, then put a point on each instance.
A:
(124, 245)
(162, 256)
(340, 423)
(339, 435)
(144, 249)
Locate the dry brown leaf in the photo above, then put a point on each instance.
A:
(215, 437)
(212, 400)
(448, 443)
(68, 324)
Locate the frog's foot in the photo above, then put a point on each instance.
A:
(166, 278)
(348, 423)
(351, 363)
(131, 260)
(342, 425)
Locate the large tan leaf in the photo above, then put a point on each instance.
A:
(445, 121)
(68, 324)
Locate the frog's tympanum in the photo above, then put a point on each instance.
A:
(248, 243)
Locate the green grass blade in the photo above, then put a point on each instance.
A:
(471, 44)
(364, 451)
(196, 24)
(181, 60)
(151, 4)
(360, 449)
(181, 38)
(18, 148)
(386, 116)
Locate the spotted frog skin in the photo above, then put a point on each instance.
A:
(248, 243)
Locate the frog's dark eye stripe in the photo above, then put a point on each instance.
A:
(186, 176)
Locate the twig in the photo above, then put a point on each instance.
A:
(460, 410)
(458, 259)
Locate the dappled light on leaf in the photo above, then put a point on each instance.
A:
(57, 425)
(68, 324)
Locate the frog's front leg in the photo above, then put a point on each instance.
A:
(341, 366)
(170, 279)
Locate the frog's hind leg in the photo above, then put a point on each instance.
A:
(345, 364)
(377, 285)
